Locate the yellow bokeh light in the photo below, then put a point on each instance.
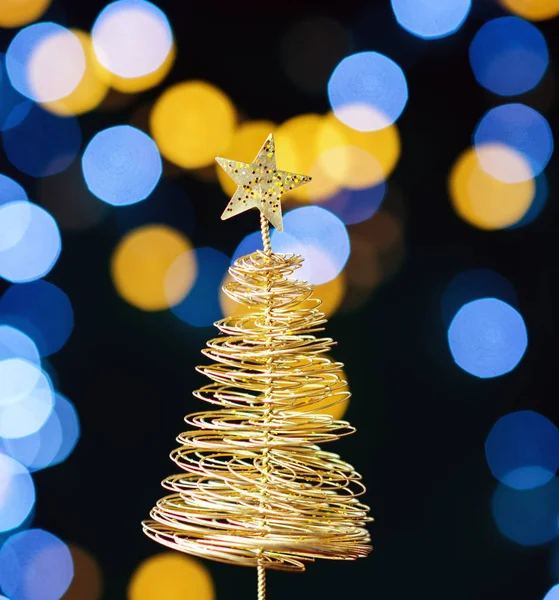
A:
(141, 264)
(192, 123)
(92, 88)
(15, 13)
(87, 583)
(246, 143)
(132, 85)
(535, 10)
(297, 151)
(484, 201)
(383, 146)
(171, 577)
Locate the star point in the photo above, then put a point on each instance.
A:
(260, 184)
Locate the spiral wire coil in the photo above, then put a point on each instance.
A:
(255, 488)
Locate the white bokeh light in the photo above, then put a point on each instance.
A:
(132, 38)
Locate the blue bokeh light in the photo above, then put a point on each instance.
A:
(521, 128)
(474, 284)
(553, 593)
(121, 165)
(527, 517)
(42, 311)
(522, 449)
(42, 144)
(538, 203)
(320, 237)
(52, 444)
(21, 50)
(17, 493)
(487, 338)
(70, 423)
(26, 398)
(356, 206)
(16, 344)
(250, 243)
(201, 306)
(30, 242)
(10, 191)
(35, 565)
(509, 56)
(14, 107)
(367, 91)
(431, 19)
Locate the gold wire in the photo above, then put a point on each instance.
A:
(256, 489)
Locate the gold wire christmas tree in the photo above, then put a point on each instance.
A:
(255, 488)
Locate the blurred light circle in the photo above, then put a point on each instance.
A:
(52, 443)
(538, 203)
(522, 449)
(68, 199)
(553, 593)
(249, 244)
(37, 451)
(430, 19)
(348, 166)
(355, 206)
(10, 191)
(487, 338)
(509, 56)
(26, 398)
(192, 123)
(17, 493)
(14, 107)
(121, 165)
(310, 49)
(15, 13)
(91, 88)
(42, 144)
(132, 38)
(519, 127)
(87, 583)
(298, 144)
(245, 144)
(474, 284)
(15, 344)
(367, 91)
(484, 201)
(383, 145)
(527, 517)
(45, 61)
(320, 237)
(30, 242)
(35, 565)
(70, 424)
(171, 576)
(40, 310)
(534, 10)
(141, 263)
(55, 66)
(133, 85)
(201, 306)
(503, 163)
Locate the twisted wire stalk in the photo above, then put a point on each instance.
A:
(255, 487)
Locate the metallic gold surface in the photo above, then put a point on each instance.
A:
(255, 487)
(260, 184)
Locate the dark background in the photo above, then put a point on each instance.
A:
(421, 420)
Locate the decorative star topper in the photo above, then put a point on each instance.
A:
(260, 184)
